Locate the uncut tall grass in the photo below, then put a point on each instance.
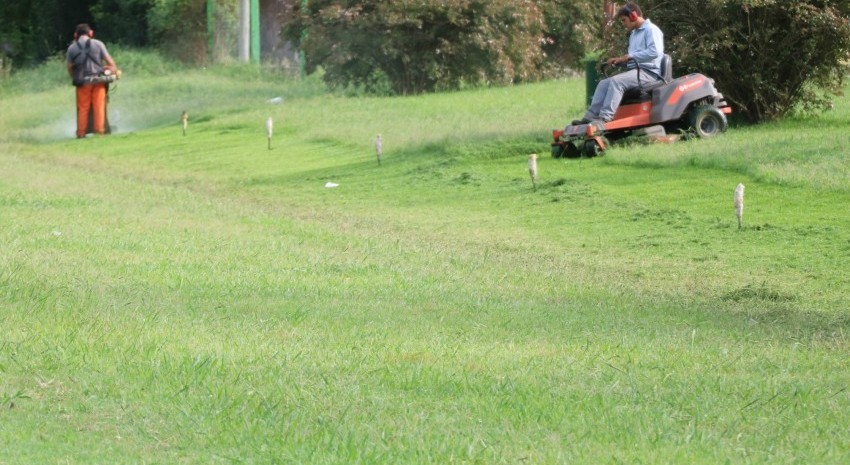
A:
(203, 299)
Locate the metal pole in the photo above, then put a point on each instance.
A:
(255, 32)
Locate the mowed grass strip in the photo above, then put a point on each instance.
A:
(205, 300)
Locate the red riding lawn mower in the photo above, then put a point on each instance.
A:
(689, 103)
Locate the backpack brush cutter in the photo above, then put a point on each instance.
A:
(107, 77)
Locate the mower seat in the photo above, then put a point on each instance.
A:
(644, 92)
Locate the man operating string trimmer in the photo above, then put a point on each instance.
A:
(91, 69)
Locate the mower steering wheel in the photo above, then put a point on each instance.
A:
(609, 70)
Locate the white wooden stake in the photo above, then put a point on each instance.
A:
(532, 169)
(269, 130)
(739, 205)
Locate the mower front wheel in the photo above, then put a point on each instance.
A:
(707, 121)
(571, 150)
(557, 150)
(592, 149)
(565, 149)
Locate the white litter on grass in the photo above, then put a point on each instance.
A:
(275, 101)
(331, 184)
(57, 233)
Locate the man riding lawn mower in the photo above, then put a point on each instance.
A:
(643, 98)
(687, 103)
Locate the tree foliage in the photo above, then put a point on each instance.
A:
(573, 29)
(32, 30)
(414, 46)
(178, 27)
(768, 57)
(123, 21)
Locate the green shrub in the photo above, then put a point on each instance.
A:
(143, 62)
(52, 73)
(415, 46)
(122, 21)
(32, 31)
(768, 57)
(48, 75)
(179, 28)
(573, 30)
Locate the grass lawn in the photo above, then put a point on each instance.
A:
(203, 299)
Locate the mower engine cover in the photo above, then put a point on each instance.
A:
(671, 101)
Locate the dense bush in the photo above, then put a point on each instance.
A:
(573, 31)
(33, 30)
(412, 46)
(768, 57)
(179, 28)
(122, 21)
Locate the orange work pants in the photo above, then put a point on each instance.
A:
(91, 98)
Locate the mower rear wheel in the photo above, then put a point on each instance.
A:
(707, 121)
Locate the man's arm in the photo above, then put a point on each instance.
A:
(110, 63)
(106, 57)
(69, 62)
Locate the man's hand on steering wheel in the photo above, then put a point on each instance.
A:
(612, 66)
(618, 60)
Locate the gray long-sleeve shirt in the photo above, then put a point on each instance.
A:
(646, 46)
